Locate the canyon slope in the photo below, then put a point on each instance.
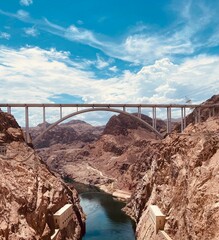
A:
(182, 179)
(29, 193)
(179, 173)
(108, 162)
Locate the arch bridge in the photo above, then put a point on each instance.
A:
(117, 108)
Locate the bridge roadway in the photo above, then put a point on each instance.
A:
(82, 108)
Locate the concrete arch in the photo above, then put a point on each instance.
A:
(93, 110)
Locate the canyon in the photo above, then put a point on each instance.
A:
(179, 173)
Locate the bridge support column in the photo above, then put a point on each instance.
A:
(182, 118)
(44, 117)
(169, 120)
(139, 112)
(9, 109)
(154, 115)
(60, 112)
(211, 112)
(196, 115)
(199, 115)
(27, 124)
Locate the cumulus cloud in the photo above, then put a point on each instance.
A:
(26, 2)
(37, 75)
(113, 69)
(101, 63)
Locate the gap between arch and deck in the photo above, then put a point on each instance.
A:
(147, 125)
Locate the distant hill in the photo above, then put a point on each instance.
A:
(121, 124)
(67, 133)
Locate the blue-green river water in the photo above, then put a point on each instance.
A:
(105, 220)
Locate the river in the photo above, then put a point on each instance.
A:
(105, 220)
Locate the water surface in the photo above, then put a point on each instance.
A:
(105, 220)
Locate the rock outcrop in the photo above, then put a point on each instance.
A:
(182, 179)
(29, 193)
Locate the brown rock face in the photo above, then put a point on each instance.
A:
(7, 126)
(73, 132)
(29, 193)
(182, 179)
(122, 124)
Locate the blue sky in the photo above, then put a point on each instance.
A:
(117, 51)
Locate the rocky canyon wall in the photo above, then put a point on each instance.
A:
(29, 193)
(182, 179)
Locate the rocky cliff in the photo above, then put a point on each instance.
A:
(29, 193)
(182, 177)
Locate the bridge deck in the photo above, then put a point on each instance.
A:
(106, 105)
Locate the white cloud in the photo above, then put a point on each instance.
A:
(114, 69)
(4, 35)
(22, 15)
(101, 63)
(31, 31)
(143, 46)
(81, 35)
(36, 75)
(26, 2)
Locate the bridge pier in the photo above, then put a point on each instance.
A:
(44, 117)
(199, 115)
(9, 109)
(183, 118)
(169, 127)
(211, 112)
(60, 109)
(27, 125)
(154, 116)
(139, 112)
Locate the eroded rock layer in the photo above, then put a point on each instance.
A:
(182, 179)
(29, 193)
